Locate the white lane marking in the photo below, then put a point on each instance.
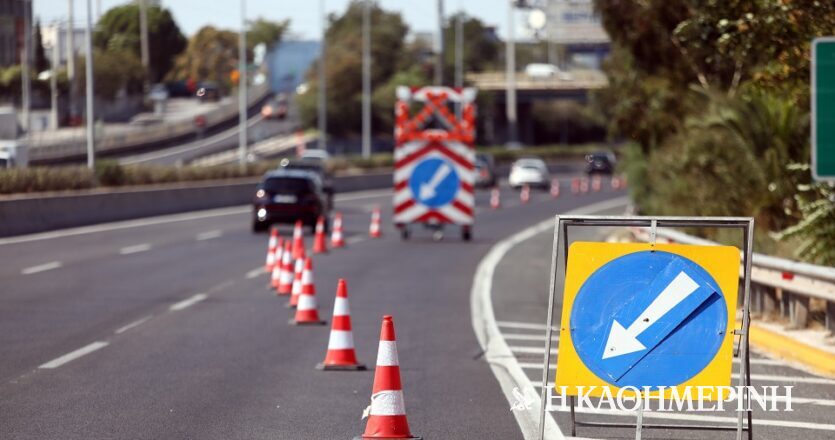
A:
(188, 302)
(171, 218)
(208, 235)
(497, 354)
(71, 356)
(355, 239)
(528, 337)
(523, 325)
(135, 249)
(133, 324)
(255, 273)
(704, 418)
(41, 268)
(530, 350)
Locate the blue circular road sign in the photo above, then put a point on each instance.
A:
(648, 319)
(434, 182)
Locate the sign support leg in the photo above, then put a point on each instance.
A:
(549, 329)
(640, 422)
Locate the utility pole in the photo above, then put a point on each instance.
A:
(143, 40)
(459, 58)
(71, 57)
(26, 67)
(439, 65)
(53, 81)
(88, 44)
(323, 83)
(510, 73)
(366, 79)
(242, 92)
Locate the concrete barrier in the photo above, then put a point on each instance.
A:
(30, 214)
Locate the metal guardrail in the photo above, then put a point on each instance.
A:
(157, 133)
(778, 286)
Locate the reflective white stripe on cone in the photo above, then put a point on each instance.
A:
(285, 285)
(271, 249)
(337, 240)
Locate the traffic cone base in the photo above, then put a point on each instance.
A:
(294, 322)
(326, 367)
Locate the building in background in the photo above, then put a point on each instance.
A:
(289, 61)
(574, 25)
(11, 31)
(57, 33)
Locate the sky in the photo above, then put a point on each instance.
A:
(421, 15)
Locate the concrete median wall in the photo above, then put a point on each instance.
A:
(30, 214)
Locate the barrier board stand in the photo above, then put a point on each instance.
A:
(434, 172)
(709, 301)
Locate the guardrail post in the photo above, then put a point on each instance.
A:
(785, 305)
(799, 310)
(768, 300)
(830, 317)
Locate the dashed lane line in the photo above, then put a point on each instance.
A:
(255, 273)
(41, 268)
(209, 235)
(73, 355)
(135, 249)
(188, 302)
(133, 324)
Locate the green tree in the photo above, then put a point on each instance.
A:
(344, 68)
(40, 61)
(114, 71)
(267, 32)
(118, 30)
(481, 46)
(211, 55)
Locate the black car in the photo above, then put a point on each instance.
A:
(316, 167)
(287, 195)
(485, 169)
(601, 162)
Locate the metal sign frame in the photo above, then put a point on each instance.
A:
(560, 247)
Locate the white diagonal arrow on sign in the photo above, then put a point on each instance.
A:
(623, 341)
(427, 190)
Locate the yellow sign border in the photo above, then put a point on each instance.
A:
(584, 258)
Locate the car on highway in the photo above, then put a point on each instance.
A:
(531, 171)
(315, 154)
(316, 167)
(485, 171)
(286, 195)
(208, 91)
(602, 162)
(546, 71)
(275, 108)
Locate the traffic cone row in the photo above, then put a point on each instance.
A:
(271, 248)
(386, 415)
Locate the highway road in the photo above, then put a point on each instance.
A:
(164, 328)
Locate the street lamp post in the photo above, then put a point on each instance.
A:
(323, 84)
(242, 92)
(510, 73)
(88, 45)
(366, 79)
(439, 65)
(143, 40)
(26, 67)
(71, 56)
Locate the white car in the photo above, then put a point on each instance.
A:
(529, 171)
(545, 71)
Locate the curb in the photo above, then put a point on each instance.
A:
(790, 349)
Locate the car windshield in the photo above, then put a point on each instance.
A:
(287, 185)
(530, 164)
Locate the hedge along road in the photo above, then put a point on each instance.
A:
(167, 330)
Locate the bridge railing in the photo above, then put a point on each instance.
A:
(572, 80)
(778, 286)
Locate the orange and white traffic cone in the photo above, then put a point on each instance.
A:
(584, 185)
(275, 276)
(285, 281)
(337, 239)
(525, 194)
(595, 183)
(298, 241)
(271, 248)
(296, 290)
(495, 198)
(387, 412)
(615, 182)
(307, 312)
(575, 185)
(555, 188)
(341, 354)
(374, 230)
(320, 245)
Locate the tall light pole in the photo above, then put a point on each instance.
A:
(510, 73)
(88, 45)
(439, 65)
(53, 81)
(242, 92)
(459, 50)
(323, 84)
(366, 79)
(143, 40)
(26, 66)
(71, 55)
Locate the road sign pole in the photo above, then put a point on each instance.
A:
(242, 92)
(366, 79)
(91, 134)
(510, 73)
(323, 83)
